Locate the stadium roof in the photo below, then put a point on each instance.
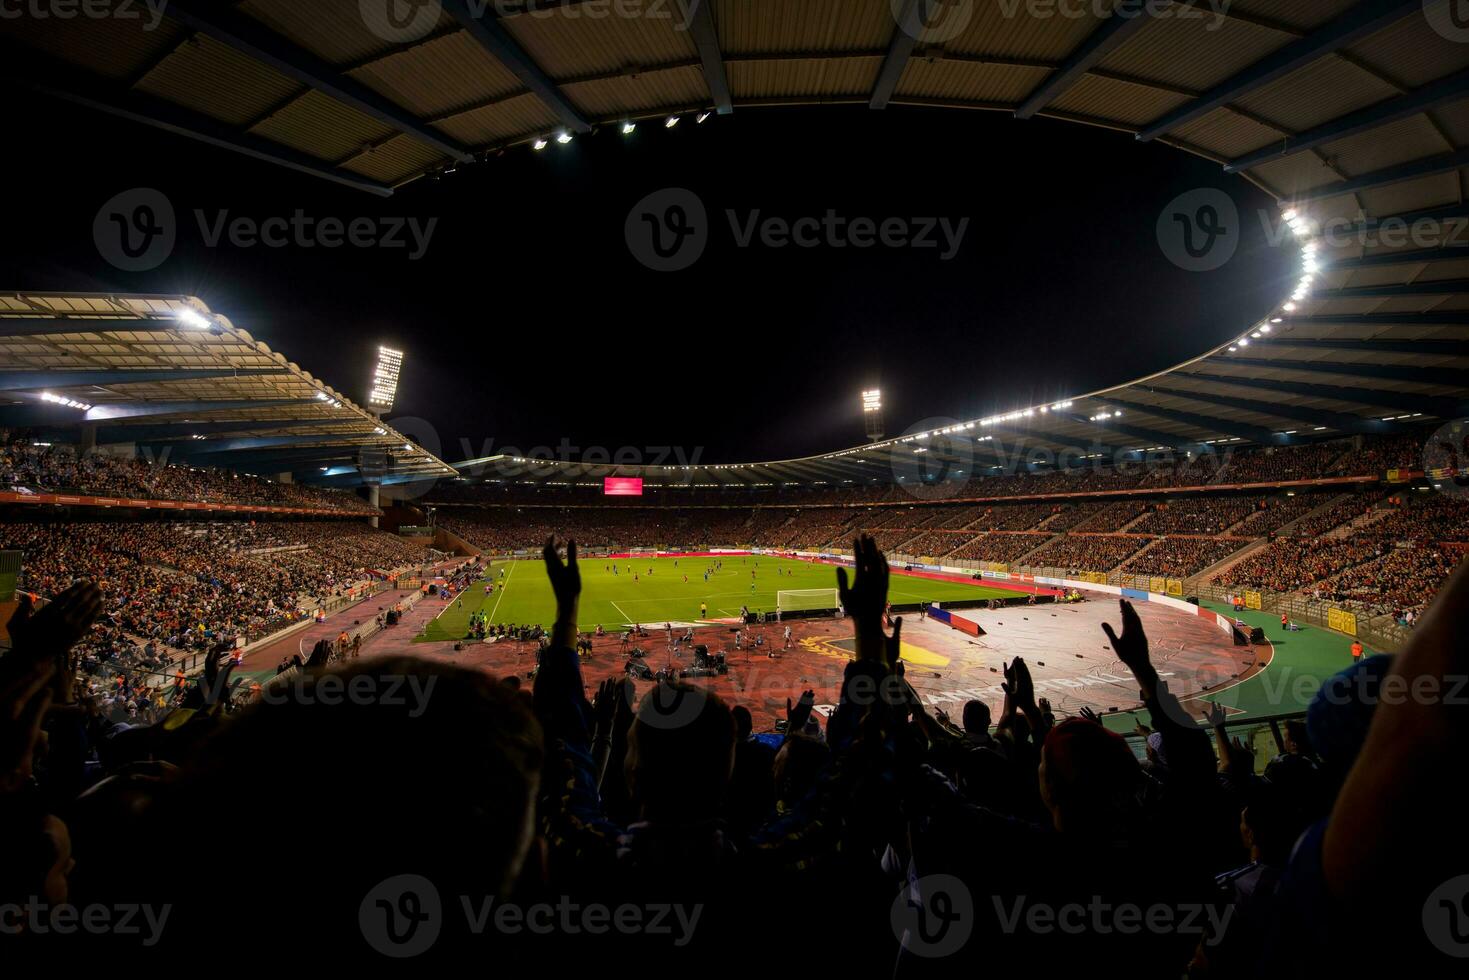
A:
(1386, 357)
(1351, 104)
(1353, 112)
(165, 371)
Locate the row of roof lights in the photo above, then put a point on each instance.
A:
(47, 396)
(627, 128)
(1310, 265)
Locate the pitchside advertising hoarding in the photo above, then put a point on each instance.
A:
(622, 486)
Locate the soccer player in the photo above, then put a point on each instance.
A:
(787, 639)
(703, 610)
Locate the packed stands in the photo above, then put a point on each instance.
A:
(1207, 515)
(1181, 557)
(37, 468)
(184, 586)
(1080, 552)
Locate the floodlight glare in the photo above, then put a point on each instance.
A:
(670, 122)
(383, 389)
(539, 144)
(192, 318)
(628, 127)
(563, 137)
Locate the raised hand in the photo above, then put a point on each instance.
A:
(1018, 684)
(24, 699)
(799, 713)
(1132, 646)
(51, 632)
(566, 584)
(865, 599)
(1214, 715)
(604, 708)
(1090, 716)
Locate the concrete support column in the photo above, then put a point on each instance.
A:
(374, 497)
(286, 477)
(88, 438)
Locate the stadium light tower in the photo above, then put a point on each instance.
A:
(872, 413)
(384, 387)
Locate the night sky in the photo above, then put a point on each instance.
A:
(529, 321)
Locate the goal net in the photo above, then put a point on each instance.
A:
(806, 600)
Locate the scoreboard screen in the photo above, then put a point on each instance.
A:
(622, 486)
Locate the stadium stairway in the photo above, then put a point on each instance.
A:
(1331, 502)
(1359, 523)
(1023, 558)
(1133, 523)
(1231, 560)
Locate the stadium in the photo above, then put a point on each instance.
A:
(1044, 545)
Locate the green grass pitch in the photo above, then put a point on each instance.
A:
(615, 600)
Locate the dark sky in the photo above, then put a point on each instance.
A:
(529, 321)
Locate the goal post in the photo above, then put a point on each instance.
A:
(806, 601)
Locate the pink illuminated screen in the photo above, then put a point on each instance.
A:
(622, 486)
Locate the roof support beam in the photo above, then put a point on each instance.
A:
(254, 443)
(1449, 348)
(52, 326)
(1427, 167)
(156, 432)
(1450, 89)
(249, 37)
(912, 17)
(36, 74)
(699, 16)
(34, 380)
(1254, 433)
(1361, 21)
(1340, 421)
(1402, 401)
(1457, 377)
(1129, 17)
(495, 39)
(1149, 436)
(1439, 287)
(136, 410)
(1419, 256)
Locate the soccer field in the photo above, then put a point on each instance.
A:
(614, 600)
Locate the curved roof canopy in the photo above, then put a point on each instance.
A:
(165, 371)
(1354, 113)
(1352, 103)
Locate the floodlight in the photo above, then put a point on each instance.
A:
(193, 318)
(383, 389)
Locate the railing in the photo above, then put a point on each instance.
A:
(1262, 735)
